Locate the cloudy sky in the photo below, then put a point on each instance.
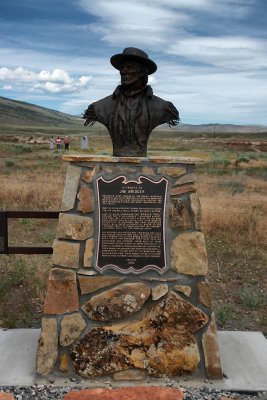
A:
(211, 54)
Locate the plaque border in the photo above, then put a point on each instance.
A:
(131, 269)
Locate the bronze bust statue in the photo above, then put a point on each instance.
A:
(132, 111)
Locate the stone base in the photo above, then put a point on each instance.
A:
(150, 321)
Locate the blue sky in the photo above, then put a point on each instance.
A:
(211, 54)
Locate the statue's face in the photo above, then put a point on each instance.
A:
(130, 75)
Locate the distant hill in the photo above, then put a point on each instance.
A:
(222, 128)
(20, 113)
(17, 115)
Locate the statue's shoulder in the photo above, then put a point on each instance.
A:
(105, 102)
(163, 111)
(160, 105)
(160, 102)
(99, 111)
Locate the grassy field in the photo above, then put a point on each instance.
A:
(232, 182)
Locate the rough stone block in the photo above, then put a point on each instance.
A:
(136, 160)
(88, 158)
(131, 393)
(148, 171)
(204, 293)
(117, 303)
(86, 200)
(66, 254)
(62, 293)
(189, 178)
(117, 170)
(47, 350)
(196, 210)
(173, 160)
(160, 341)
(211, 351)
(74, 227)
(186, 290)
(179, 217)
(90, 285)
(90, 174)
(174, 172)
(129, 375)
(188, 254)
(159, 291)
(64, 363)
(178, 190)
(88, 272)
(88, 253)
(70, 190)
(71, 328)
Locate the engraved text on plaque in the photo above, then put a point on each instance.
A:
(131, 234)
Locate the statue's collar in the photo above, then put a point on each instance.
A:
(148, 89)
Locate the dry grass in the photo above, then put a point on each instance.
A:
(241, 219)
(243, 215)
(32, 191)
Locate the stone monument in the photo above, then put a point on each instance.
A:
(127, 295)
(84, 143)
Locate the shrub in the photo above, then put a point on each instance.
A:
(9, 163)
(26, 148)
(244, 159)
(21, 148)
(19, 273)
(236, 187)
(221, 162)
(251, 297)
(259, 172)
(253, 156)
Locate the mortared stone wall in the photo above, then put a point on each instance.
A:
(129, 325)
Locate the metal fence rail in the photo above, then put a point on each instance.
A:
(6, 214)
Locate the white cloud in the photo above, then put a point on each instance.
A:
(57, 75)
(209, 94)
(189, 4)
(238, 52)
(154, 24)
(55, 81)
(140, 23)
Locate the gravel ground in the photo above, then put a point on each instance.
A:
(39, 392)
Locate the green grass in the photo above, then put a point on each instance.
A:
(224, 314)
(48, 235)
(20, 285)
(252, 297)
(27, 223)
(15, 276)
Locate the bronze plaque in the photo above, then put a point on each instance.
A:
(131, 232)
